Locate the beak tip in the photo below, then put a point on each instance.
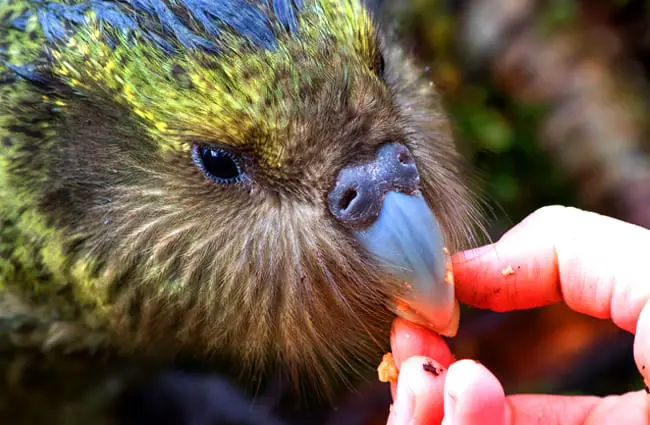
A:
(445, 323)
(442, 313)
(451, 329)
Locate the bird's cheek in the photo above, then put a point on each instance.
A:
(380, 201)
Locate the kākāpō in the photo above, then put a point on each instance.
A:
(259, 181)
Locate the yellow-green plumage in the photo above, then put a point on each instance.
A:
(218, 97)
(176, 99)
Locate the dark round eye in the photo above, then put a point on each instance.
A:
(218, 164)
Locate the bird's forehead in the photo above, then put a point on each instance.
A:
(240, 91)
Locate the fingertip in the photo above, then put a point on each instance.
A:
(473, 395)
(560, 252)
(519, 271)
(422, 374)
(408, 340)
(419, 394)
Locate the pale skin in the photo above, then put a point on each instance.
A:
(597, 265)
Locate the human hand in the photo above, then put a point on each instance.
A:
(597, 265)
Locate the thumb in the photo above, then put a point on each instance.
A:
(419, 395)
(473, 395)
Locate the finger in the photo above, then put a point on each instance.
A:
(419, 399)
(482, 277)
(408, 339)
(630, 408)
(472, 396)
(597, 264)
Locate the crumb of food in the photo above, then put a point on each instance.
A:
(508, 271)
(449, 271)
(387, 369)
(429, 367)
(449, 277)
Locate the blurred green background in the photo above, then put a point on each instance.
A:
(496, 131)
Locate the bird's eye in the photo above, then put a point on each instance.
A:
(217, 164)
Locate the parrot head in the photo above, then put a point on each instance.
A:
(258, 180)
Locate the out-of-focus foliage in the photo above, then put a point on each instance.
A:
(499, 134)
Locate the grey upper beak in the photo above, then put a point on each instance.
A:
(381, 202)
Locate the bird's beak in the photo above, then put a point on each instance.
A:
(406, 238)
(380, 201)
